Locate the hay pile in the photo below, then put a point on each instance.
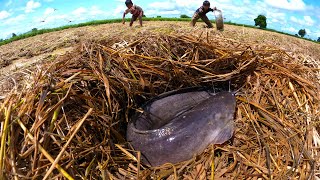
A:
(70, 120)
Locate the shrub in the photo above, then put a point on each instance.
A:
(184, 16)
(261, 21)
(302, 32)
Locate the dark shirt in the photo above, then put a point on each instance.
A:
(201, 10)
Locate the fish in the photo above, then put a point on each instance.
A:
(178, 125)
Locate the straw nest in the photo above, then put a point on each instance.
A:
(70, 120)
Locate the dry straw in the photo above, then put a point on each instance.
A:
(48, 129)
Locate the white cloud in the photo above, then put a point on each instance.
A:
(14, 20)
(49, 11)
(225, 1)
(290, 29)
(309, 21)
(96, 11)
(297, 21)
(90, 13)
(9, 3)
(78, 15)
(244, 12)
(4, 14)
(51, 20)
(159, 12)
(31, 5)
(172, 7)
(118, 10)
(308, 31)
(188, 3)
(276, 17)
(287, 4)
(165, 5)
(306, 21)
(175, 12)
(79, 11)
(294, 19)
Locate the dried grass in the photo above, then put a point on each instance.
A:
(49, 122)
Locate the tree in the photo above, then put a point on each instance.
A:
(302, 32)
(34, 29)
(14, 35)
(318, 39)
(261, 21)
(184, 16)
(1, 40)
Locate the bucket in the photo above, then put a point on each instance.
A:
(219, 20)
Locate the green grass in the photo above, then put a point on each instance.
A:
(97, 22)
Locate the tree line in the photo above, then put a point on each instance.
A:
(261, 21)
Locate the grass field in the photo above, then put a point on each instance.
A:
(98, 22)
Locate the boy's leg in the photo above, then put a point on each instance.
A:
(133, 19)
(195, 18)
(140, 18)
(207, 21)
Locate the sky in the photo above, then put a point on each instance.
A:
(20, 16)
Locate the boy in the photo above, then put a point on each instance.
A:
(201, 13)
(135, 10)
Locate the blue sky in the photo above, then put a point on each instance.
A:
(19, 16)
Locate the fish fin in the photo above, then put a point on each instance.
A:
(225, 133)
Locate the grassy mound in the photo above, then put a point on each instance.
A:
(70, 120)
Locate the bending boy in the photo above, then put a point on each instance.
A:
(135, 10)
(201, 13)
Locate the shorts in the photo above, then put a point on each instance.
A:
(135, 17)
(204, 18)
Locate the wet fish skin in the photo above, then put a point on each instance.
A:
(203, 118)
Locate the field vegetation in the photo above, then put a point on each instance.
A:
(183, 18)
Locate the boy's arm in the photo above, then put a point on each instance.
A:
(213, 9)
(199, 10)
(124, 15)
